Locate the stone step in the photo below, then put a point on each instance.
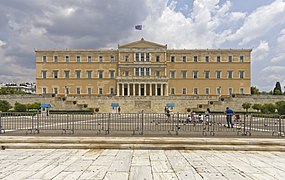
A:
(163, 143)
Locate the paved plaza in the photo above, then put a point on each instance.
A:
(139, 164)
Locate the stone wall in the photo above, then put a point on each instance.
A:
(148, 104)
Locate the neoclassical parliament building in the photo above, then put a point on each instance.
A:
(143, 68)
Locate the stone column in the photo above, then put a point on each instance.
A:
(166, 89)
(123, 89)
(118, 89)
(144, 86)
(134, 89)
(155, 86)
(161, 89)
(139, 89)
(128, 89)
(150, 89)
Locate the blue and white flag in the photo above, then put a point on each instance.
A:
(138, 27)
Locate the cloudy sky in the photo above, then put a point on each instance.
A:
(59, 24)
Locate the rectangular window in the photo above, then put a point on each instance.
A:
(195, 90)
(126, 73)
(89, 74)
(218, 74)
(77, 74)
(127, 58)
(207, 91)
(147, 57)
(89, 91)
(111, 73)
(241, 74)
(55, 59)
(230, 91)
(157, 73)
(66, 74)
(230, 74)
(112, 91)
(137, 71)
(55, 74)
(89, 59)
(100, 90)
(44, 74)
(184, 91)
(78, 90)
(137, 57)
(112, 58)
(207, 74)
(100, 74)
(230, 58)
(241, 91)
(172, 74)
(195, 74)
(44, 90)
(44, 59)
(101, 58)
(142, 57)
(157, 58)
(184, 59)
(207, 58)
(241, 59)
(142, 71)
(172, 90)
(184, 74)
(218, 90)
(78, 59)
(218, 58)
(172, 58)
(147, 71)
(195, 58)
(55, 90)
(66, 58)
(66, 90)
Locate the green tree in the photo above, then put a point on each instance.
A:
(4, 106)
(268, 108)
(246, 106)
(254, 90)
(33, 106)
(280, 106)
(257, 107)
(20, 107)
(277, 90)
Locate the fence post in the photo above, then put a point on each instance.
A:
(244, 121)
(142, 122)
(1, 129)
(280, 128)
(108, 123)
(177, 125)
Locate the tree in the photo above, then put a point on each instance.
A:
(4, 106)
(254, 90)
(280, 106)
(268, 108)
(246, 106)
(33, 106)
(257, 107)
(20, 107)
(277, 90)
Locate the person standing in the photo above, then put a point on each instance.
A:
(207, 115)
(229, 114)
(119, 110)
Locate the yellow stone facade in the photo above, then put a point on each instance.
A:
(143, 68)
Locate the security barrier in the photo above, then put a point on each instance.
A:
(142, 124)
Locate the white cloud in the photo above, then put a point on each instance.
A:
(259, 22)
(236, 16)
(274, 69)
(261, 51)
(2, 43)
(279, 58)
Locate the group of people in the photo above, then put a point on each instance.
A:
(200, 118)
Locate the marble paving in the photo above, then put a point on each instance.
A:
(140, 164)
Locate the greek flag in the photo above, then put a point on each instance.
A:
(138, 27)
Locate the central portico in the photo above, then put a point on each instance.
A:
(142, 69)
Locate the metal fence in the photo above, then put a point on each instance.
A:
(142, 124)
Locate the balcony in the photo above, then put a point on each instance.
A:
(142, 79)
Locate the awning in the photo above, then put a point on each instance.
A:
(115, 104)
(170, 104)
(45, 105)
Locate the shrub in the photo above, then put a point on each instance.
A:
(20, 107)
(4, 106)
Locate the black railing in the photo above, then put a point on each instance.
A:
(141, 124)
